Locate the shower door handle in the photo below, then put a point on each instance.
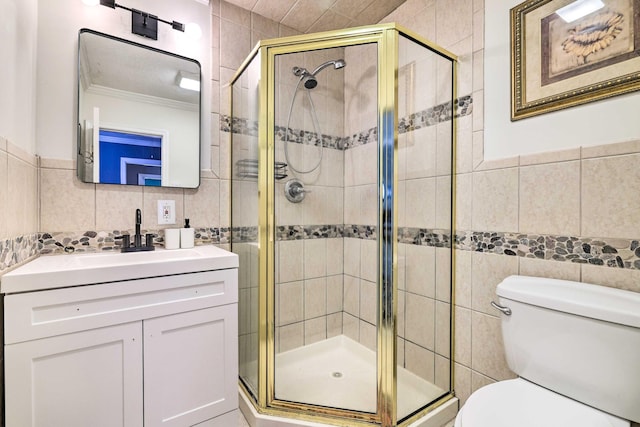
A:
(503, 309)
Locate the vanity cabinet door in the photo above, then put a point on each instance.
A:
(91, 378)
(190, 366)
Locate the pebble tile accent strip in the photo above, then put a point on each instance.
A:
(425, 237)
(439, 114)
(18, 250)
(432, 116)
(96, 241)
(614, 253)
(618, 253)
(300, 136)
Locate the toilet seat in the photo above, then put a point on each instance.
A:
(521, 403)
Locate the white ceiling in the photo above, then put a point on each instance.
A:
(128, 68)
(310, 16)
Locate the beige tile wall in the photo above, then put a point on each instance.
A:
(70, 205)
(580, 192)
(309, 291)
(565, 193)
(18, 191)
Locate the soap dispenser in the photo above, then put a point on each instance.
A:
(186, 235)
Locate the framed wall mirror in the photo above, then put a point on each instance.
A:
(138, 114)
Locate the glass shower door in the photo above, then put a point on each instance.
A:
(245, 217)
(424, 226)
(326, 245)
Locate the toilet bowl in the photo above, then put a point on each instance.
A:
(520, 403)
(574, 347)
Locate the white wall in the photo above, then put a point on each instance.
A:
(602, 122)
(59, 23)
(18, 30)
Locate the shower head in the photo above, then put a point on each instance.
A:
(337, 64)
(310, 80)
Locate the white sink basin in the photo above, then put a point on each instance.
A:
(57, 271)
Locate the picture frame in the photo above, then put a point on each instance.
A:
(557, 64)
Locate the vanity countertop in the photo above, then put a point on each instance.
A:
(59, 271)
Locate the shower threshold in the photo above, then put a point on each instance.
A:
(341, 373)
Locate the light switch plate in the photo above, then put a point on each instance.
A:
(166, 211)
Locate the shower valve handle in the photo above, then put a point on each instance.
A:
(294, 191)
(299, 190)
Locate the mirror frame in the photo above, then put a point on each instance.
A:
(79, 130)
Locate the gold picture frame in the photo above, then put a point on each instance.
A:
(557, 64)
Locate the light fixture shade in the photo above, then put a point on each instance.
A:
(578, 9)
(108, 3)
(188, 81)
(193, 31)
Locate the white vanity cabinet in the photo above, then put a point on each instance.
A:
(178, 388)
(91, 378)
(156, 351)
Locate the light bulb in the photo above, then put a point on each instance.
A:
(193, 31)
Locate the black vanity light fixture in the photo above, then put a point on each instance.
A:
(142, 23)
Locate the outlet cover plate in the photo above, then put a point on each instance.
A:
(166, 212)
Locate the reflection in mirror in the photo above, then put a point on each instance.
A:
(138, 114)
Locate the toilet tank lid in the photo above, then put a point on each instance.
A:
(583, 299)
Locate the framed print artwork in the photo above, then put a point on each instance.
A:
(570, 52)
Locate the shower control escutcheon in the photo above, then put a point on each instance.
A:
(294, 190)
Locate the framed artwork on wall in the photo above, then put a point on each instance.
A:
(570, 52)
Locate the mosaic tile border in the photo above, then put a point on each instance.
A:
(415, 236)
(17, 250)
(463, 106)
(425, 237)
(300, 136)
(616, 253)
(97, 241)
(613, 253)
(439, 114)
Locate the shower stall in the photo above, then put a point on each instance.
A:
(342, 148)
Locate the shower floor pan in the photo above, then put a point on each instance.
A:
(339, 372)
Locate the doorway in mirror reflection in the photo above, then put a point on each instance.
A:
(130, 158)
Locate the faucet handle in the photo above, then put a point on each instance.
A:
(126, 240)
(148, 242)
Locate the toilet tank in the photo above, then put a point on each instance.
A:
(577, 339)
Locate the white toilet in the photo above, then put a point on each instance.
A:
(576, 350)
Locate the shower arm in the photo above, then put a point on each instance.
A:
(323, 66)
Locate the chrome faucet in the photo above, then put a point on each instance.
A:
(137, 238)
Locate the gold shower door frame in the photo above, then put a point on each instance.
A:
(386, 36)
